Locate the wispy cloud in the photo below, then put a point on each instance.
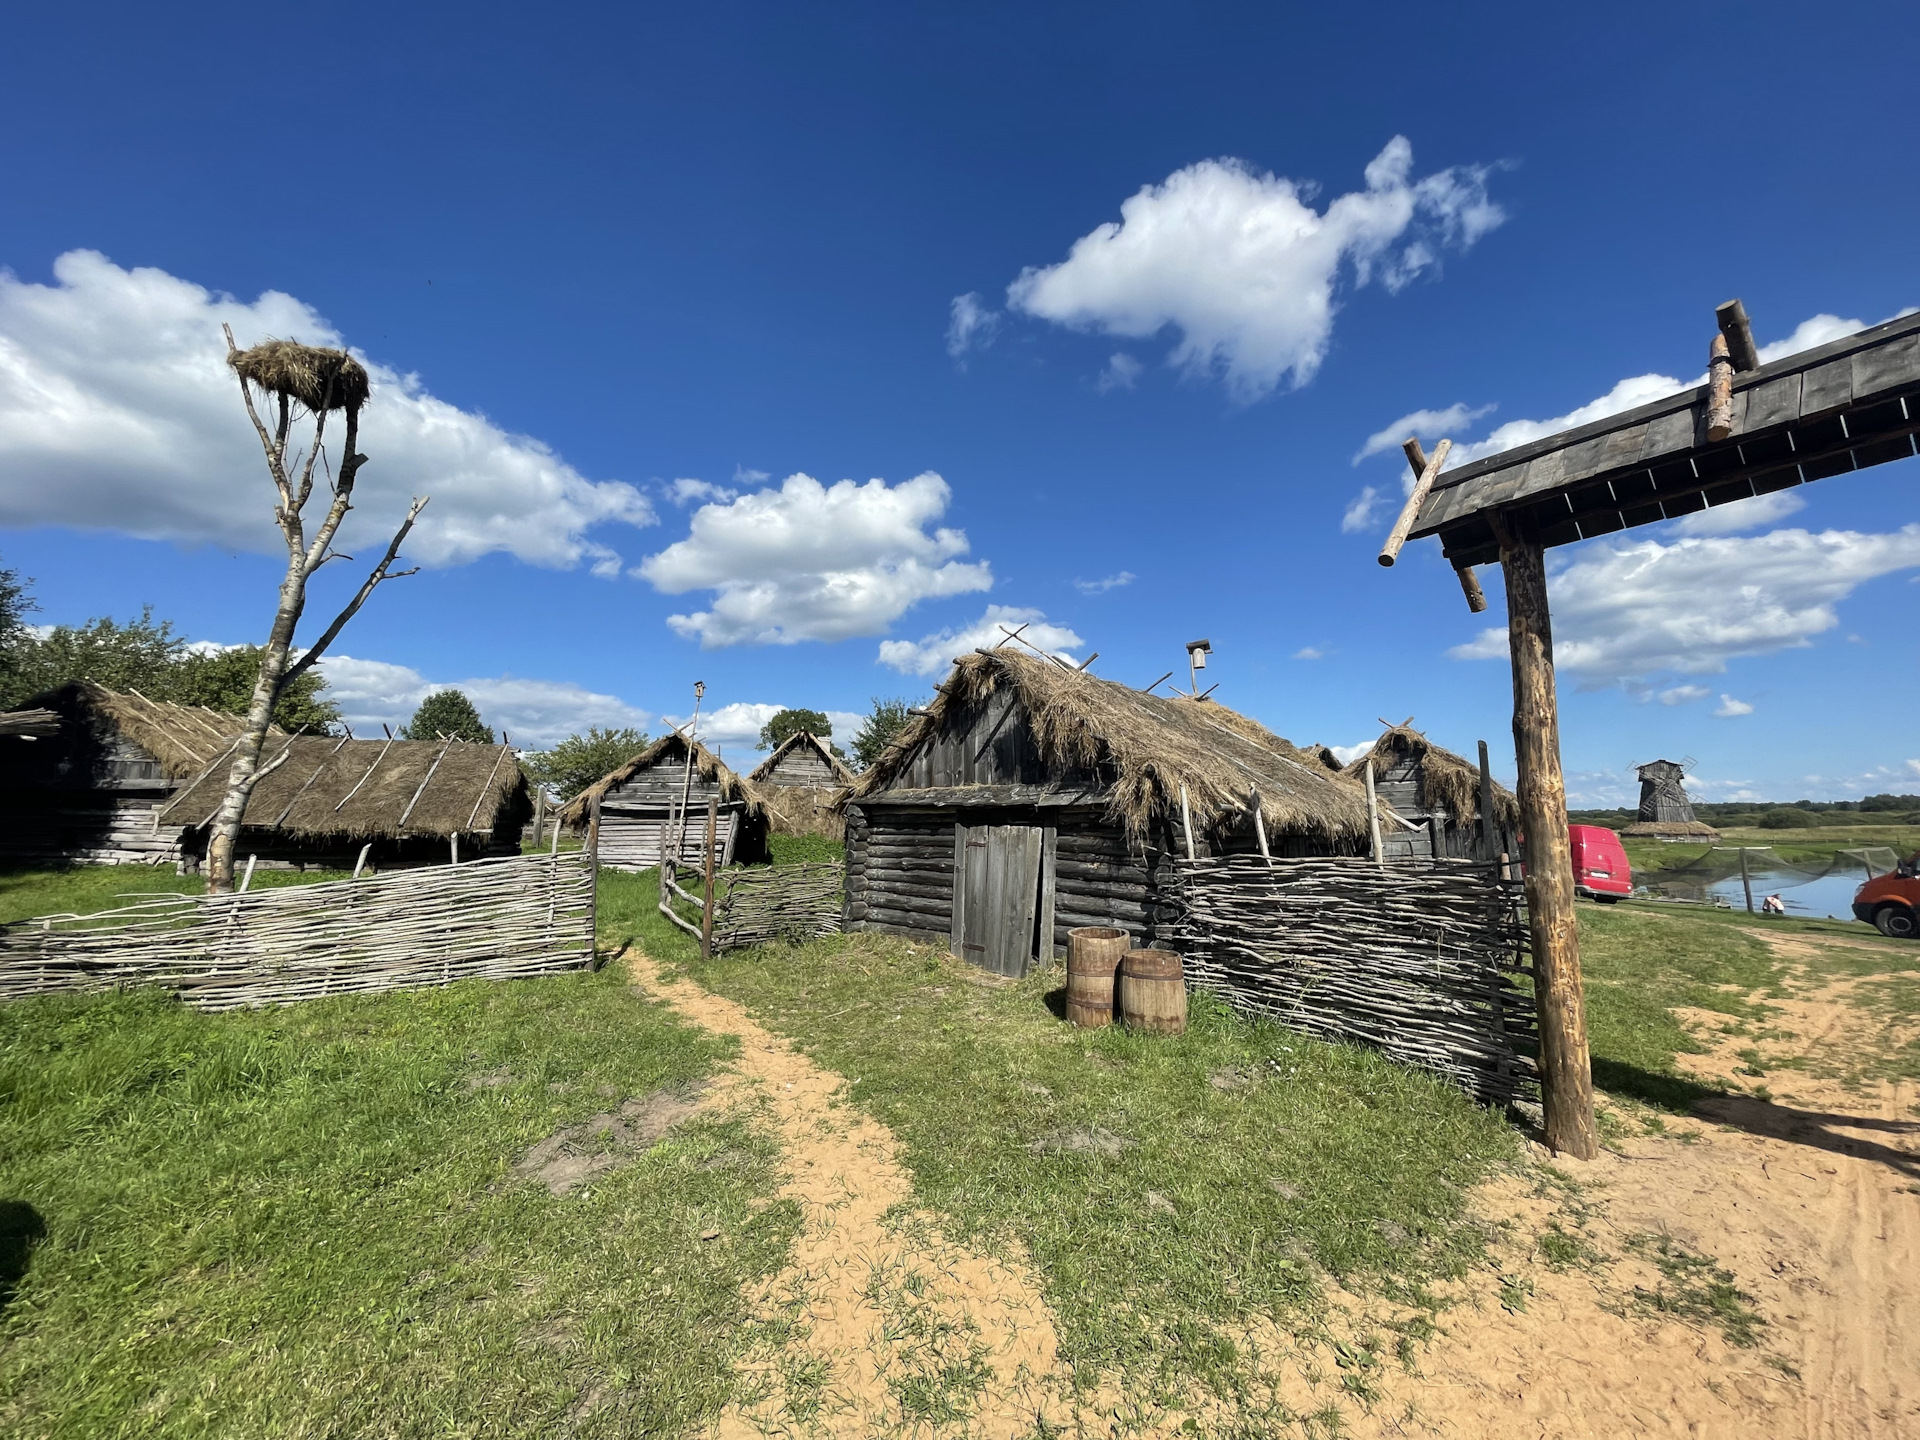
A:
(1730, 707)
(933, 653)
(1309, 652)
(1121, 373)
(1428, 425)
(970, 325)
(1359, 515)
(1100, 587)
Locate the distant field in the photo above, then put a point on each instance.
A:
(1815, 843)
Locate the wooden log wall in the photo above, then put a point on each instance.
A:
(900, 871)
(1427, 961)
(635, 840)
(81, 827)
(493, 919)
(777, 902)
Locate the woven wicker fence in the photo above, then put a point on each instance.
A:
(492, 919)
(1425, 960)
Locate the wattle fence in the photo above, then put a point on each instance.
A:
(1424, 960)
(492, 919)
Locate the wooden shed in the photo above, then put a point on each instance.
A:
(640, 808)
(1031, 797)
(321, 801)
(1437, 793)
(89, 786)
(799, 783)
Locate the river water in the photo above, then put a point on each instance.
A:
(1829, 896)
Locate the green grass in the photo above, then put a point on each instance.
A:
(1811, 844)
(305, 1220)
(83, 889)
(804, 849)
(1164, 1188)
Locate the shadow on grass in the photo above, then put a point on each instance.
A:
(1056, 1002)
(21, 1228)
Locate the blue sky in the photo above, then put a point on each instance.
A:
(602, 252)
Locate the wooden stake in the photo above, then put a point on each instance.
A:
(706, 899)
(247, 879)
(1719, 390)
(1746, 879)
(1487, 828)
(1186, 821)
(1260, 829)
(1397, 537)
(1566, 1074)
(1732, 318)
(1470, 587)
(361, 863)
(593, 829)
(453, 843)
(1373, 816)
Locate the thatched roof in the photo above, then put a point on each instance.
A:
(1448, 780)
(1324, 754)
(670, 749)
(317, 787)
(1150, 746)
(1671, 830)
(30, 724)
(185, 739)
(841, 774)
(318, 378)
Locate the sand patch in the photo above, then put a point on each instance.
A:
(569, 1158)
(885, 1326)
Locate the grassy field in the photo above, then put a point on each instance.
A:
(308, 1220)
(1813, 844)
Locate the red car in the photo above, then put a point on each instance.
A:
(1600, 868)
(1891, 902)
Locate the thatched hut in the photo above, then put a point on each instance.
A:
(640, 809)
(1437, 794)
(89, 787)
(328, 803)
(1031, 797)
(799, 782)
(1666, 813)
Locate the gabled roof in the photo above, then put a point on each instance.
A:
(318, 787)
(1449, 780)
(1151, 747)
(185, 739)
(671, 749)
(841, 774)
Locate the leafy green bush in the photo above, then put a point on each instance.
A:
(1782, 820)
(579, 760)
(451, 714)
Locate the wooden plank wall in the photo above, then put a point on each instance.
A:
(83, 827)
(631, 840)
(802, 765)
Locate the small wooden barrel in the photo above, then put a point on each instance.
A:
(1153, 992)
(1094, 952)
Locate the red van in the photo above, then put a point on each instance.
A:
(1600, 868)
(1891, 903)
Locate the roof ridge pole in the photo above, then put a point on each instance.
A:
(1566, 1068)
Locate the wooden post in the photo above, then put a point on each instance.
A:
(1488, 847)
(1566, 1074)
(706, 898)
(247, 879)
(1397, 537)
(1470, 587)
(1373, 816)
(1746, 879)
(1186, 821)
(453, 843)
(539, 813)
(361, 863)
(1719, 390)
(1732, 318)
(1260, 829)
(593, 828)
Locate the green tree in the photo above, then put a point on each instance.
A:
(787, 723)
(886, 720)
(224, 680)
(447, 713)
(1782, 819)
(141, 655)
(579, 760)
(16, 603)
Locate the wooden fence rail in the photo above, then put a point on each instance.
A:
(777, 902)
(494, 919)
(1425, 960)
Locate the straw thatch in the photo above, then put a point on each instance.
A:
(1147, 747)
(319, 379)
(672, 749)
(184, 739)
(1448, 781)
(1672, 830)
(1324, 754)
(763, 775)
(329, 789)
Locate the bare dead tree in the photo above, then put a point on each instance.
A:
(297, 383)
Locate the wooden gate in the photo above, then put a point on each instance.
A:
(1003, 896)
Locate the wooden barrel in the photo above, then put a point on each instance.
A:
(1094, 952)
(1153, 992)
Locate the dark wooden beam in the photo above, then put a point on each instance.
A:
(1732, 317)
(1566, 1073)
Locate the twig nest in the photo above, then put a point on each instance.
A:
(319, 379)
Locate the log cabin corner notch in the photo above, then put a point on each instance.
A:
(1031, 797)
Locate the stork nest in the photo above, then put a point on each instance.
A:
(317, 378)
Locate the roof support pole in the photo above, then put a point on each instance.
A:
(1566, 1073)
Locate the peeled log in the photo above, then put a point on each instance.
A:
(1719, 390)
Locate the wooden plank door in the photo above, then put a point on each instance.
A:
(996, 895)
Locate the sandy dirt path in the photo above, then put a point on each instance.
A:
(1811, 1199)
(882, 1327)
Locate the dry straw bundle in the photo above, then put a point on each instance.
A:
(319, 379)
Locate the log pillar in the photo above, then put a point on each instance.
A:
(1566, 1073)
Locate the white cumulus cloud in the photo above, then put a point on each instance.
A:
(1748, 514)
(1347, 754)
(808, 561)
(1729, 707)
(1429, 425)
(931, 654)
(534, 713)
(1623, 613)
(117, 411)
(970, 324)
(688, 492)
(1359, 515)
(735, 727)
(1245, 269)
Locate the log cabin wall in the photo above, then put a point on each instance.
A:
(802, 765)
(87, 796)
(1403, 787)
(637, 815)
